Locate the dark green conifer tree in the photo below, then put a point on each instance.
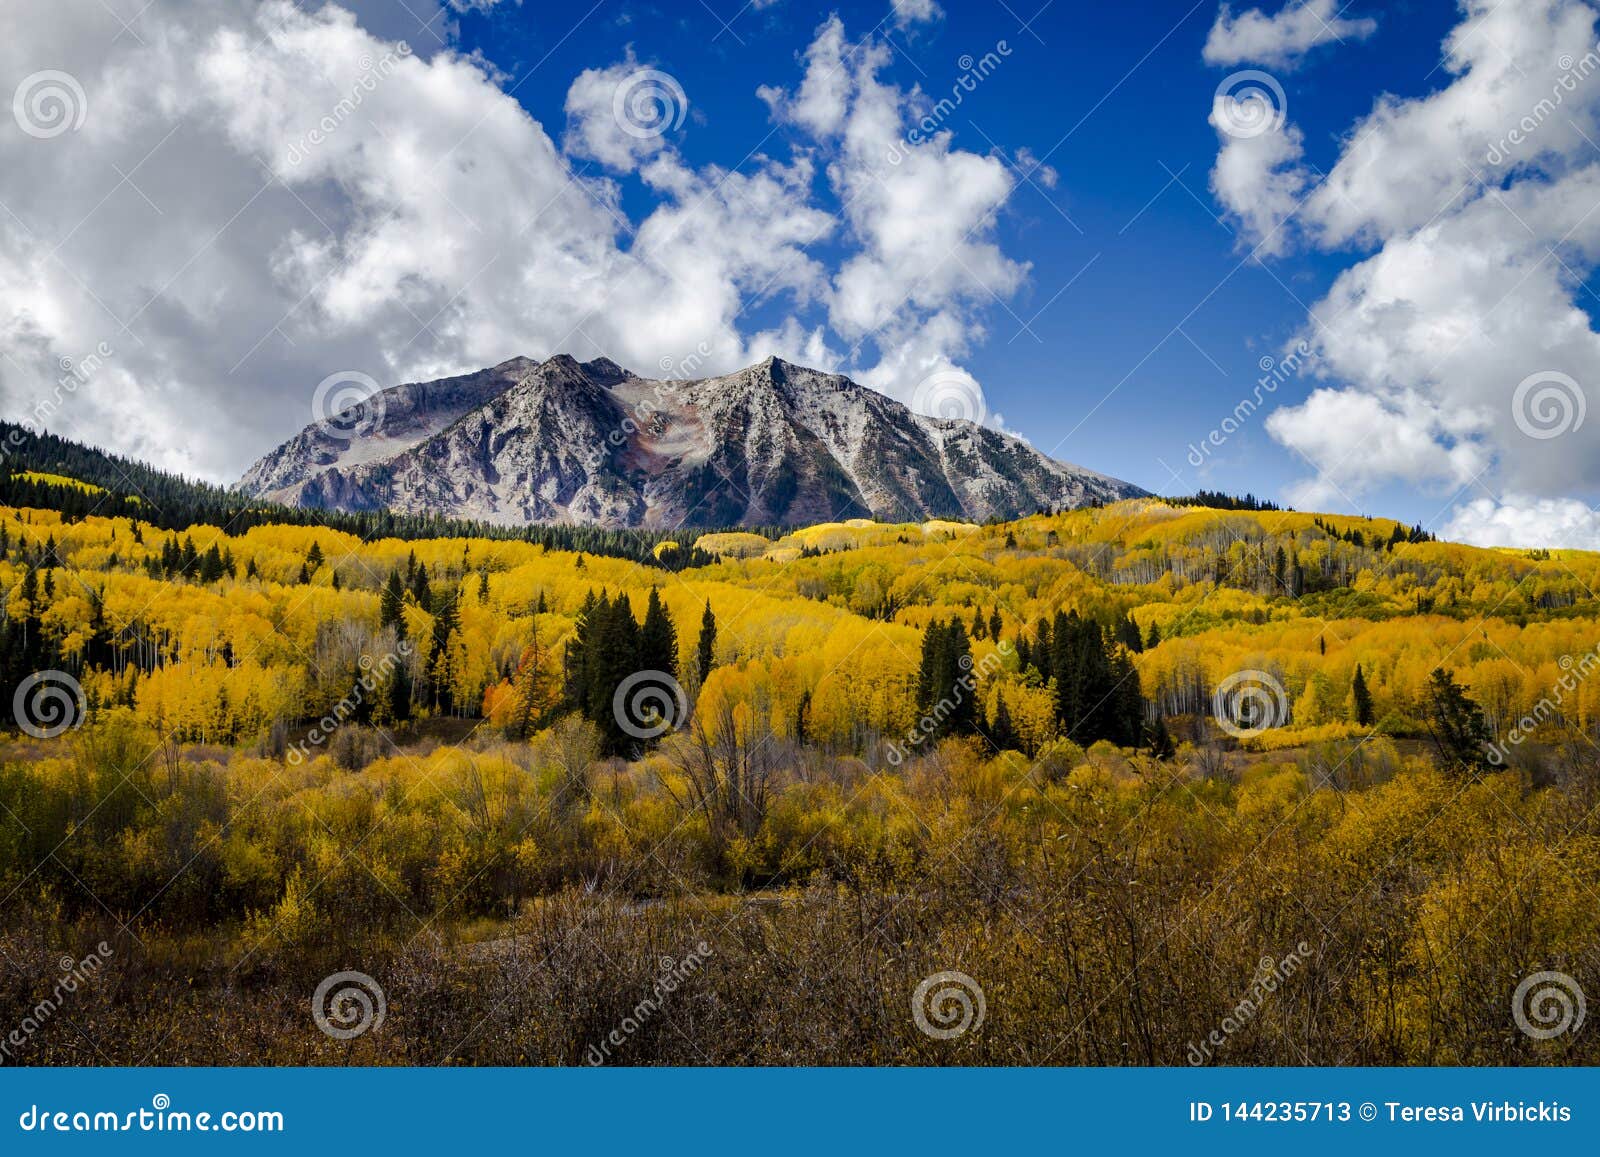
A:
(1361, 698)
(658, 638)
(706, 647)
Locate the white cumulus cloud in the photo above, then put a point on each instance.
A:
(908, 12)
(1454, 352)
(1517, 520)
(1283, 39)
(921, 212)
(261, 195)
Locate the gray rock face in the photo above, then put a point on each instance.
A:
(563, 441)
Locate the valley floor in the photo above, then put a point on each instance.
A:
(971, 912)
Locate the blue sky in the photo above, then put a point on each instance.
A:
(239, 204)
(1166, 309)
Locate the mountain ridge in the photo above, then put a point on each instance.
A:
(560, 440)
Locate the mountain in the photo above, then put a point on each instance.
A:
(589, 442)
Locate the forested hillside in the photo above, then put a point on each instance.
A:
(1141, 745)
(221, 635)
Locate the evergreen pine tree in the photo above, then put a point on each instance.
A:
(398, 692)
(706, 647)
(1128, 634)
(1002, 733)
(1123, 714)
(946, 693)
(611, 656)
(575, 661)
(1160, 739)
(963, 718)
(928, 668)
(211, 568)
(533, 687)
(1454, 722)
(1042, 650)
(1361, 698)
(391, 605)
(658, 638)
(441, 667)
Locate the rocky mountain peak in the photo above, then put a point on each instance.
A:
(568, 441)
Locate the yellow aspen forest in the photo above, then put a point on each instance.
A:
(1133, 740)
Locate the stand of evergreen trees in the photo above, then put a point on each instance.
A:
(607, 647)
(1097, 686)
(946, 686)
(1217, 500)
